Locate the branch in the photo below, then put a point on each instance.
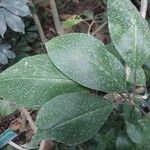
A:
(46, 145)
(57, 23)
(38, 24)
(29, 119)
(15, 146)
(99, 28)
(90, 26)
(143, 10)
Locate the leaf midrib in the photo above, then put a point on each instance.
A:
(39, 79)
(75, 118)
(92, 63)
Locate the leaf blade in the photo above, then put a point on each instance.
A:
(34, 81)
(129, 32)
(2, 24)
(14, 22)
(16, 7)
(84, 59)
(72, 118)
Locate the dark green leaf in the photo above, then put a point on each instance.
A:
(5, 53)
(129, 32)
(3, 58)
(9, 53)
(72, 118)
(133, 133)
(14, 22)
(34, 81)
(16, 7)
(2, 24)
(5, 46)
(122, 143)
(84, 59)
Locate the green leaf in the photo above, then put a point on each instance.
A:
(84, 59)
(72, 118)
(147, 70)
(16, 7)
(3, 58)
(9, 147)
(140, 77)
(2, 24)
(147, 63)
(122, 143)
(14, 22)
(5, 53)
(110, 47)
(88, 14)
(34, 81)
(129, 32)
(102, 144)
(133, 133)
(73, 20)
(6, 108)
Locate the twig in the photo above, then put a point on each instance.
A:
(57, 23)
(16, 146)
(46, 145)
(99, 28)
(90, 26)
(38, 24)
(135, 79)
(143, 10)
(29, 119)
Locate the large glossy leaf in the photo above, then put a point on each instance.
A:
(129, 32)
(84, 59)
(72, 118)
(2, 24)
(16, 7)
(34, 81)
(13, 21)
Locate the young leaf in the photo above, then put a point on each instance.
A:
(34, 81)
(72, 118)
(129, 32)
(84, 59)
(73, 20)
